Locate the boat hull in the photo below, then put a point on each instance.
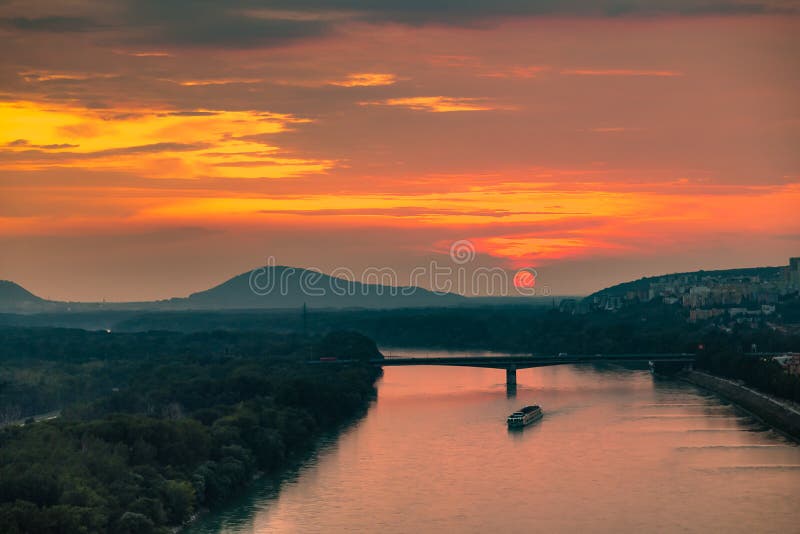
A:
(527, 420)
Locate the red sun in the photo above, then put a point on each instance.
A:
(524, 278)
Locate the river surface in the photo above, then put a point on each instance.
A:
(617, 450)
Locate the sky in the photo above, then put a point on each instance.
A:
(151, 149)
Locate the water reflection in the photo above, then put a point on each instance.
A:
(614, 451)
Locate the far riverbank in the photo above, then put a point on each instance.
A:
(776, 412)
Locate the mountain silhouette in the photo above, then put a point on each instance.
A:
(264, 288)
(14, 297)
(289, 287)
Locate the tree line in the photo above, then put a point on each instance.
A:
(165, 423)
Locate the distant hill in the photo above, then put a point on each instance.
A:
(16, 298)
(643, 284)
(290, 287)
(272, 287)
(277, 287)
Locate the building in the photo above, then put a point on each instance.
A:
(698, 314)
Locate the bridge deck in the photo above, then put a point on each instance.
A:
(524, 362)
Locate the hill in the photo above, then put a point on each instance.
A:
(644, 284)
(16, 298)
(273, 287)
(290, 287)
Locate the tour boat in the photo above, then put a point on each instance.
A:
(525, 416)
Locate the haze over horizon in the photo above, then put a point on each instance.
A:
(448, 285)
(149, 151)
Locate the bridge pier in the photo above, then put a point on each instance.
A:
(511, 391)
(511, 375)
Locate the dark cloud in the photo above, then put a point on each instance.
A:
(190, 114)
(50, 24)
(204, 22)
(17, 143)
(42, 153)
(58, 146)
(150, 148)
(460, 12)
(248, 23)
(413, 211)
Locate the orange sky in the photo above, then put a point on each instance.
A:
(146, 153)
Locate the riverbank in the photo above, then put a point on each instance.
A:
(186, 424)
(776, 412)
(435, 443)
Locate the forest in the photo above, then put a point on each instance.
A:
(156, 426)
(152, 426)
(764, 374)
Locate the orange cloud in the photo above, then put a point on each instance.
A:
(531, 249)
(365, 79)
(438, 104)
(153, 143)
(36, 76)
(215, 81)
(146, 53)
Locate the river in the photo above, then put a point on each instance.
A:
(617, 450)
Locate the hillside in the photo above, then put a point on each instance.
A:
(643, 284)
(16, 298)
(290, 287)
(273, 288)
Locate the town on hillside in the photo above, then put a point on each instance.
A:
(739, 293)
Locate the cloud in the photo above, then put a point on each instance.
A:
(150, 149)
(416, 211)
(246, 23)
(36, 76)
(477, 12)
(24, 143)
(621, 72)
(214, 81)
(438, 104)
(153, 143)
(34, 153)
(18, 143)
(185, 22)
(365, 79)
(190, 113)
(55, 24)
(147, 53)
(356, 79)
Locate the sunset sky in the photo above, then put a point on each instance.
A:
(151, 149)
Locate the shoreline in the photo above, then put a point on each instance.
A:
(777, 413)
(277, 477)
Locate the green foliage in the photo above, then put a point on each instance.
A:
(179, 429)
(155, 425)
(347, 345)
(763, 374)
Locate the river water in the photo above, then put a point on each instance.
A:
(617, 450)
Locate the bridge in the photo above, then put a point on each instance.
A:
(513, 362)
